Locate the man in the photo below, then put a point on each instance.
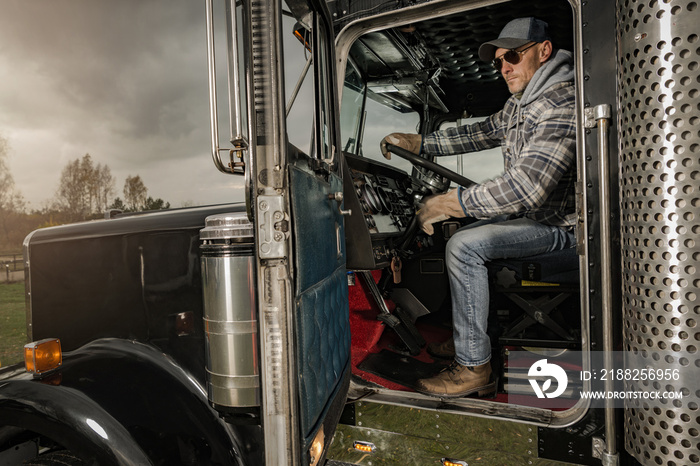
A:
(528, 210)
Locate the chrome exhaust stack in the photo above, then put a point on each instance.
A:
(230, 316)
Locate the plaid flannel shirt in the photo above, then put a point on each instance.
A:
(538, 142)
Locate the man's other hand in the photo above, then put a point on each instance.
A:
(410, 142)
(437, 208)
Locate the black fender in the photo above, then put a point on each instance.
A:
(70, 418)
(158, 406)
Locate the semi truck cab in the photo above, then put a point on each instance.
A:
(290, 329)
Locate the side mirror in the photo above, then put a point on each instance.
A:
(238, 111)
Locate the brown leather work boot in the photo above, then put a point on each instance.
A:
(446, 349)
(457, 380)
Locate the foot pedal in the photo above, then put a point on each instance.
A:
(399, 321)
(410, 327)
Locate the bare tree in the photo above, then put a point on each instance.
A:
(135, 193)
(105, 189)
(7, 183)
(84, 188)
(11, 201)
(71, 191)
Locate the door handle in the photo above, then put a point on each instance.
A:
(338, 197)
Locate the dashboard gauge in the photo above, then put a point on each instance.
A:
(372, 199)
(385, 199)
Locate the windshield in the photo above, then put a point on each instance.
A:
(364, 122)
(481, 166)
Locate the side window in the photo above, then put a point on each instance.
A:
(352, 111)
(310, 104)
(324, 115)
(478, 166)
(299, 86)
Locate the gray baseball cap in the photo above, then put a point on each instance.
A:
(515, 34)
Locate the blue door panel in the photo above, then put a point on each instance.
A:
(323, 338)
(321, 293)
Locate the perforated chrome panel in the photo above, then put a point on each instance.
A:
(659, 134)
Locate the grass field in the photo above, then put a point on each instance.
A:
(13, 328)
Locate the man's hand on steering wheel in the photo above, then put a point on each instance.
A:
(436, 208)
(410, 142)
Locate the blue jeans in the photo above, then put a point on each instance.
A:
(467, 251)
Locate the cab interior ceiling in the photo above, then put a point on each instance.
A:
(436, 60)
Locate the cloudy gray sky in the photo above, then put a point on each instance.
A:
(126, 82)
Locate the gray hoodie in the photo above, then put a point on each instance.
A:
(559, 68)
(539, 150)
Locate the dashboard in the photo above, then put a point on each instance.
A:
(381, 199)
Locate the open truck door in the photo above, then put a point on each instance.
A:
(295, 203)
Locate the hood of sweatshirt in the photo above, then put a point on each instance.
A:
(559, 68)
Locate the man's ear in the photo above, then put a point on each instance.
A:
(545, 51)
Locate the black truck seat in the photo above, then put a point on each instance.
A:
(537, 299)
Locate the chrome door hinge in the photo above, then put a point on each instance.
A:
(600, 452)
(273, 227)
(591, 115)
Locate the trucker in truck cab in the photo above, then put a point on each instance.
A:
(528, 210)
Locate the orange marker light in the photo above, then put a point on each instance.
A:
(302, 35)
(366, 447)
(42, 356)
(450, 462)
(317, 447)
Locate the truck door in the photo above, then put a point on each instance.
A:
(296, 201)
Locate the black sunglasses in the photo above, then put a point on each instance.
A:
(511, 56)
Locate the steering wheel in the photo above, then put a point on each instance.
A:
(419, 161)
